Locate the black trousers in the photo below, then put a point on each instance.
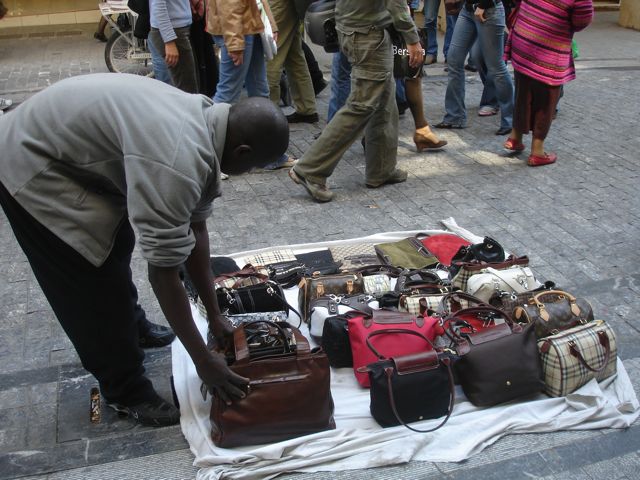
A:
(96, 306)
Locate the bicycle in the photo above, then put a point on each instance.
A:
(124, 53)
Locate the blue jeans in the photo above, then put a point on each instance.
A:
(490, 34)
(489, 90)
(340, 83)
(451, 25)
(160, 70)
(252, 74)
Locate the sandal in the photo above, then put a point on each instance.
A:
(455, 126)
(513, 145)
(538, 161)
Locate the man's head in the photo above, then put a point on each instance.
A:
(257, 135)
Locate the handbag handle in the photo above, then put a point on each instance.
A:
(247, 272)
(242, 348)
(378, 268)
(604, 341)
(442, 308)
(512, 261)
(452, 397)
(394, 330)
(575, 309)
(384, 316)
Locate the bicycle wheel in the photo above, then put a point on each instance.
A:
(123, 54)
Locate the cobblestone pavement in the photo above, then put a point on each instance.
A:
(578, 220)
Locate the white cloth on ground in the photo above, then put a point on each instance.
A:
(359, 442)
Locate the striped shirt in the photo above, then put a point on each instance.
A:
(539, 44)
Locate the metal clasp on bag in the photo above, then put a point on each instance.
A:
(230, 299)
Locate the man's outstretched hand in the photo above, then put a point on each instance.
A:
(220, 380)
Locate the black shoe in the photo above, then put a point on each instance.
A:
(100, 36)
(470, 68)
(319, 86)
(503, 131)
(296, 117)
(152, 413)
(155, 336)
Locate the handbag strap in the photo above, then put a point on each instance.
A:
(537, 300)
(517, 287)
(379, 268)
(509, 262)
(394, 330)
(383, 316)
(442, 308)
(242, 348)
(452, 398)
(604, 341)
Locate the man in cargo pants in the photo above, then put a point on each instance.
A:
(371, 107)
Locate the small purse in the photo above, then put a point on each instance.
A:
(408, 253)
(489, 251)
(318, 262)
(271, 256)
(392, 344)
(490, 282)
(410, 388)
(554, 311)
(573, 357)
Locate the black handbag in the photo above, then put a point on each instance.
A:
(401, 67)
(335, 340)
(411, 388)
(263, 297)
(489, 251)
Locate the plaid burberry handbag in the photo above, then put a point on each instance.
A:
(270, 257)
(573, 357)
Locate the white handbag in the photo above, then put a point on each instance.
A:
(330, 305)
(492, 282)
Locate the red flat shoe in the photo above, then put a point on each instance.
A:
(511, 144)
(538, 161)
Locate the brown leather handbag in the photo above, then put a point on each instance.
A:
(497, 364)
(554, 311)
(289, 391)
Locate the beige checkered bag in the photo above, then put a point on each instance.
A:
(573, 357)
(354, 255)
(270, 257)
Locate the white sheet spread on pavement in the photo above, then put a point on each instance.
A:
(359, 442)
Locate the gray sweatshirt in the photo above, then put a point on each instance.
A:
(86, 153)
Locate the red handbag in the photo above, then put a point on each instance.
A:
(391, 345)
(444, 246)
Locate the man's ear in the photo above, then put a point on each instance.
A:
(241, 151)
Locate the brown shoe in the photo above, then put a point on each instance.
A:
(425, 139)
(317, 191)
